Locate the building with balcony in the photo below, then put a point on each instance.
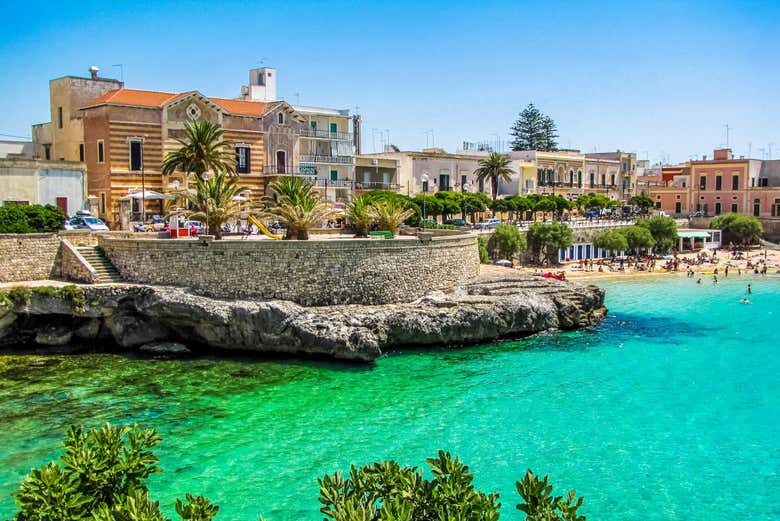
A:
(326, 140)
(372, 173)
(443, 171)
(721, 185)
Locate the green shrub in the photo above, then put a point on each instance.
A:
(505, 242)
(611, 240)
(31, 219)
(19, 295)
(663, 230)
(102, 478)
(484, 258)
(738, 227)
(544, 240)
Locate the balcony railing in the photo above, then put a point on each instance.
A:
(331, 160)
(338, 183)
(325, 134)
(287, 170)
(376, 186)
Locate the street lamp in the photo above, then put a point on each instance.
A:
(463, 189)
(205, 177)
(424, 180)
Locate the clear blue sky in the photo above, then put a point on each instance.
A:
(661, 79)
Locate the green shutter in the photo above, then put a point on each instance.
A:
(334, 127)
(314, 125)
(334, 175)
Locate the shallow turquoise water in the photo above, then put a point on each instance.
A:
(670, 409)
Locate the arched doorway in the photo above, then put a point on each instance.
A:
(281, 162)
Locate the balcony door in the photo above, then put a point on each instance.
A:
(281, 162)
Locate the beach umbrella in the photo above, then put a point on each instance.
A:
(503, 262)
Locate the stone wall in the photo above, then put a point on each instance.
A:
(29, 256)
(74, 266)
(325, 272)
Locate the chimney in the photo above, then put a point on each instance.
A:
(93, 72)
(704, 157)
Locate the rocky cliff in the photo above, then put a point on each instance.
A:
(143, 317)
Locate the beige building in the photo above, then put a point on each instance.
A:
(443, 171)
(374, 173)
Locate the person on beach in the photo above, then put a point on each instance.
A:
(749, 290)
(714, 279)
(726, 271)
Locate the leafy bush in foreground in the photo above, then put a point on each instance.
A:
(34, 218)
(103, 475)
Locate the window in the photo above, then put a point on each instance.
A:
(612, 180)
(592, 179)
(280, 118)
(735, 182)
(242, 159)
(101, 154)
(425, 186)
(579, 178)
(733, 207)
(703, 182)
(334, 128)
(763, 181)
(756, 207)
(481, 186)
(136, 155)
(677, 207)
(603, 179)
(776, 208)
(47, 152)
(444, 181)
(717, 208)
(718, 182)
(658, 204)
(281, 161)
(59, 117)
(313, 125)
(334, 175)
(463, 180)
(102, 204)
(81, 152)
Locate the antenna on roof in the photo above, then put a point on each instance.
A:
(121, 71)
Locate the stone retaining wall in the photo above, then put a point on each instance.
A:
(29, 256)
(74, 266)
(311, 273)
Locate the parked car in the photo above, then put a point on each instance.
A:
(456, 222)
(593, 213)
(488, 223)
(86, 222)
(696, 214)
(158, 223)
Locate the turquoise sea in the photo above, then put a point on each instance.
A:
(670, 409)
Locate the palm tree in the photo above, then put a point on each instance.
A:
(213, 200)
(493, 168)
(360, 214)
(390, 215)
(202, 150)
(298, 206)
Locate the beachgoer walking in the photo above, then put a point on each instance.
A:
(749, 290)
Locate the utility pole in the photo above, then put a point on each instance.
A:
(121, 72)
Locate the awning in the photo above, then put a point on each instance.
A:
(149, 194)
(693, 234)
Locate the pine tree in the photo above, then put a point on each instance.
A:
(527, 131)
(550, 131)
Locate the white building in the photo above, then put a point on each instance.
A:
(16, 149)
(59, 183)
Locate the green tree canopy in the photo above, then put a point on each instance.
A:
(642, 201)
(212, 200)
(430, 204)
(738, 227)
(549, 134)
(637, 237)
(544, 240)
(611, 240)
(505, 242)
(663, 230)
(34, 218)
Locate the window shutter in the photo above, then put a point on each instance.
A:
(238, 159)
(248, 152)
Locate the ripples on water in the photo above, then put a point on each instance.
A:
(667, 410)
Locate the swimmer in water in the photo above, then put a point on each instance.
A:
(745, 301)
(698, 281)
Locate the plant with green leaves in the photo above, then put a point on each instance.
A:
(34, 218)
(663, 230)
(637, 237)
(611, 240)
(643, 202)
(387, 491)
(390, 215)
(544, 240)
(540, 504)
(484, 256)
(360, 215)
(494, 168)
(738, 227)
(298, 205)
(213, 201)
(534, 131)
(102, 478)
(506, 242)
(201, 150)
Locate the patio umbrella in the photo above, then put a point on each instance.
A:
(503, 262)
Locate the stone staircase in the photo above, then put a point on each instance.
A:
(106, 272)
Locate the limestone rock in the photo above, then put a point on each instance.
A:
(165, 349)
(54, 336)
